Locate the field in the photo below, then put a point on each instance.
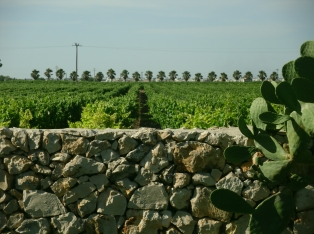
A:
(62, 104)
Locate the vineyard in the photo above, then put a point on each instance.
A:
(62, 104)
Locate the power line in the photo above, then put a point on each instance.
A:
(31, 47)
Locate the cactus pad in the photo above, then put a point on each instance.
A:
(285, 93)
(303, 89)
(268, 92)
(258, 106)
(307, 49)
(276, 171)
(237, 154)
(288, 72)
(273, 118)
(244, 129)
(304, 67)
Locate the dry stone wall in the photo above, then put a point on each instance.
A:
(127, 181)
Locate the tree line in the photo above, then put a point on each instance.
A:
(161, 75)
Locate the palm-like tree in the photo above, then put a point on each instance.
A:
(99, 76)
(161, 75)
(173, 75)
(111, 74)
(273, 76)
(73, 76)
(86, 75)
(149, 75)
(262, 75)
(248, 76)
(136, 76)
(124, 75)
(60, 74)
(35, 74)
(237, 75)
(186, 75)
(211, 76)
(198, 77)
(48, 73)
(223, 77)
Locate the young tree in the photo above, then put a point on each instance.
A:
(60, 74)
(73, 76)
(86, 75)
(186, 75)
(161, 75)
(223, 77)
(237, 75)
(273, 76)
(211, 76)
(262, 75)
(149, 75)
(136, 76)
(198, 77)
(48, 73)
(248, 76)
(35, 74)
(111, 74)
(173, 75)
(99, 76)
(124, 75)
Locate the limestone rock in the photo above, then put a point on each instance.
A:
(150, 197)
(184, 221)
(304, 198)
(184, 135)
(138, 154)
(150, 223)
(60, 157)
(206, 225)
(20, 140)
(34, 139)
(97, 146)
(17, 164)
(145, 176)
(230, 182)
(51, 142)
(180, 198)
(216, 174)
(15, 220)
(97, 224)
(39, 156)
(146, 135)
(39, 204)
(126, 144)
(194, 157)
(3, 220)
(74, 145)
(111, 202)
(5, 180)
(38, 226)
(109, 155)
(6, 147)
(109, 136)
(88, 133)
(164, 134)
(167, 175)
(11, 207)
(120, 169)
(27, 180)
(156, 159)
(202, 207)
(82, 166)
(126, 187)
(166, 218)
(304, 223)
(57, 171)
(87, 205)
(67, 224)
(221, 139)
(40, 169)
(100, 181)
(63, 185)
(80, 191)
(45, 183)
(181, 180)
(239, 226)
(256, 191)
(6, 132)
(203, 179)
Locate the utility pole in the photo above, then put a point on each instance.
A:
(94, 73)
(56, 72)
(76, 45)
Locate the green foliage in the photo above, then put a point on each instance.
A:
(186, 75)
(161, 75)
(149, 75)
(124, 74)
(223, 77)
(25, 117)
(236, 75)
(288, 72)
(173, 75)
(111, 74)
(279, 165)
(35, 74)
(198, 77)
(136, 76)
(307, 49)
(99, 76)
(211, 76)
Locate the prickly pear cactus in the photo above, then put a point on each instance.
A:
(279, 163)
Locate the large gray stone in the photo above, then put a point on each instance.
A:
(230, 182)
(3, 220)
(109, 155)
(184, 135)
(15, 220)
(111, 202)
(126, 187)
(146, 135)
(40, 169)
(203, 179)
(6, 147)
(6, 132)
(145, 176)
(39, 156)
(34, 139)
(304, 198)
(51, 142)
(60, 157)
(120, 169)
(74, 145)
(126, 144)
(202, 207)
(167, 175)
(63, 185)
(97, 224)
(11, 207)
(20, 140)
(184, 221)
(166, 218)
(27, 180)
(108, 135)
(304, 223)
(138, 154)
(38, 226)
(87, 205)
(180, 198)
(239, 226)
(150, 197)
(206, 226)
(156, 159)
(195, 157)
(39, 204)
(82, 166)
(100, 181)
(67, 224)
(181, 180)
(5, 180)
(256, 191)
(150, 223)
(80, 191)
(97, 146)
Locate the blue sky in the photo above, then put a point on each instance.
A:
(140, 35)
